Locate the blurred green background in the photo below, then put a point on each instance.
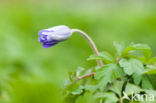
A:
(30, 73)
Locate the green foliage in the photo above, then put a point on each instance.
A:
(107, 97)
(107, 74)
(131, 66)
(150, 71)
(146, 83)
(128, 73)
(105, 56)
(145, 49)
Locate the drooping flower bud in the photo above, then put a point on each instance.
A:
(51, 36)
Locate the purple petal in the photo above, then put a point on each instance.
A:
(40, 32)
(40, 40)
(43, 32)
(48, 45)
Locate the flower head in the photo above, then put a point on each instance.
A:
(51, 36)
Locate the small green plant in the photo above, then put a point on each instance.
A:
(119, 78)
(122, 77)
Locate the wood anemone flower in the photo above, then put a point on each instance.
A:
(51, 36)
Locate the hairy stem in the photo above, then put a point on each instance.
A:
(121, 100)
(90, 41)
(85, 76)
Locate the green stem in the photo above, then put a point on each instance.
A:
(121, 100)
(90, 42)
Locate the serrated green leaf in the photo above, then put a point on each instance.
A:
(91, 88)
(146, 84)
(150, 71)
(119, 48)
(105, 56)
(78, 91)
(108, 97)
(146, 50)
(116, 87)
(86, 98)
(137, 47)
(131, 66)
(131, 88)
(137, 78)
(118, 72)
(136, 54)
(105, 70)
(105, 74)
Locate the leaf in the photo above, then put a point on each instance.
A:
(131, 88)
(146, 50)
(137, 78)
(116, 87)
(152, 60)
(86, 98)
(105, 74)
(91, 88)
(72, 76)
(79, 71)
(108, 97)
(78, 91)
(153, 92)
(150, 71)
(146, 83)
(131, 66)
(151, 96)
(118, 72)
(119, 48)
(105, 56)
